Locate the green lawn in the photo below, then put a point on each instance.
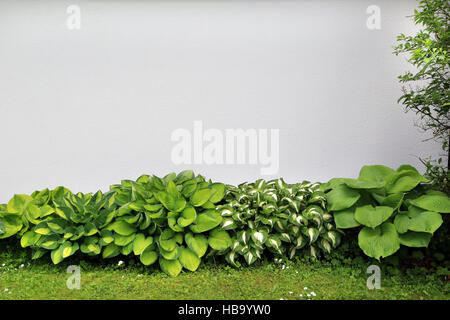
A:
(107, 280)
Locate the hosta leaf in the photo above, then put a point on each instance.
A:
(189, 259)
(313, 234)
(140, 243)
(433, 202)
(365, 184)
(111, 251)
(219, 239)
(123, 228)
(217, 192)
(404, 181)
(42, 228)
(184, 176)
(346, 218)
(29, 238)
(170, 267)
(250, 257)
(187, 216)
(228, 224)
(172, 254)
(342, 197)
(372, 216)
(381, 241)
(206, 221)
(56, 256)
(107, 236)
(425, 221)
(415, 239)
(68, 249)
(200, 197)
(197, 243)
(123, 240)
(375, 173)
(49, 242)
(57, 225)
(19, 203)
(148, 256)
(10, 225)
(259, 236)
(393, 200)
(168, 244)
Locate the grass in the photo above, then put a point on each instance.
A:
(21, 278)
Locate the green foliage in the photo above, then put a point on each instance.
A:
(152, 218)
(394, 207)
(273, 216)
(429, 53)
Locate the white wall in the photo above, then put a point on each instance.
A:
(86, 108)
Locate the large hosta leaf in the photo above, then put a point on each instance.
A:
(217, 192)
(10, 224)
(372, 216)
(200, 197)
(342, 197)
(433, 202)
(420, 221)
(415, 239)
(346, 218)
(404, 181)
(123, 228)
(189, 259)
(219, 239)
(375, 173)
(170, 267)
(140, 243)
(197, 243)
(206, 221)
(379, 242)
(148, 256)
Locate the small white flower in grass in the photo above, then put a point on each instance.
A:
(301, 295)
(3, 265)
(6, 290)
(22, 265)
(308, 295)
(281, 299)
(282, 267)
(296, 271)
(305, 288)
(313, 293)
(120, 263)
(290, 292)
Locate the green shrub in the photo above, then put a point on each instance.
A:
(392, 208)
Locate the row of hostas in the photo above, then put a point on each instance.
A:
(172, 220)
(392, 208)
(285, 219)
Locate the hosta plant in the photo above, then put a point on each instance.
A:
(273, 216)
(171, 220)
(391, 207)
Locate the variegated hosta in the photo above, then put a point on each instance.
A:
(286, 219)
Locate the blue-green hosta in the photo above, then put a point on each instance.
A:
(278, 217)
(392, 208)
(166, 220)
